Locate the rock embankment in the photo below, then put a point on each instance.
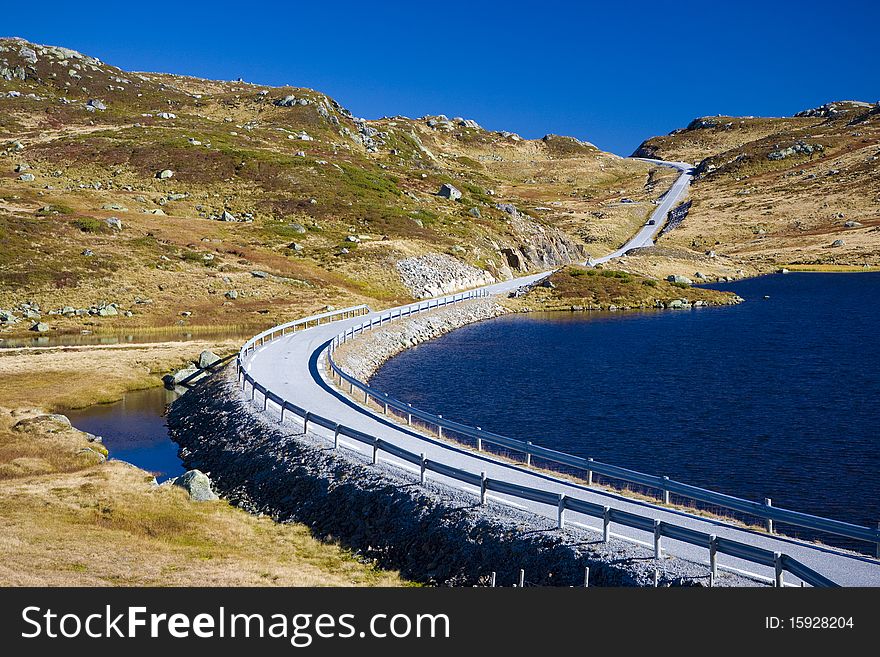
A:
(431, 533)
(366, 354)
(435, 274)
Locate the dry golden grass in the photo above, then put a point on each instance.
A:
(69, 519)
(75, 377)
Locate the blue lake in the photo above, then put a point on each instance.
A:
(775, 398)
(134, 430)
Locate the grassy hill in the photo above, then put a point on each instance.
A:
(243, 204)
(776, 191)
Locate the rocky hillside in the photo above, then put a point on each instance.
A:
(773, 191)
(133, 200)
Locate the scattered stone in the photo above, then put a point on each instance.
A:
(116, 207)
(114, 223)
(259, 274)
(297, 228)
(228, 216)
(852, 224)
(96, 104)
(675, 278)
(40, 327)
(475, 212)
(231, 294)
(165, 174)
(836, 243)
(27, 177)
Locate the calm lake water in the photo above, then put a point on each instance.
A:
(134, 430)
(774, 398)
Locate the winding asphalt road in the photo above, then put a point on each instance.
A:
(645, 236)
(294, 367)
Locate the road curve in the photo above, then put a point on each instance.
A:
(293, 367)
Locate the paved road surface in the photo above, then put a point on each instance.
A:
(292, 366)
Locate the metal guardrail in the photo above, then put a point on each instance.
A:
(667, 486)
(660, 529)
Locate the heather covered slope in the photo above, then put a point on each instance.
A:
(242, 204)
(775, 191)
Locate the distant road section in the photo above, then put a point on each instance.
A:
(645, 236)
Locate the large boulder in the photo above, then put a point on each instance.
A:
(675, 278)
(207, 358)
(173, 379)
(197, 484)
(450, 192)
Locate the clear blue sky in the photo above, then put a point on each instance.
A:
(596, 71)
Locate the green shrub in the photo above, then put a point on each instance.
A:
(90, 225)
(56, 208)
(650, 282)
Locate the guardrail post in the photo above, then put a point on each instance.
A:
(386, 403)
(492, 580)
(336, 437)
(350, 388)
(589, 475)
(480, 449)
(439, 427)
(522, 578)
(586, 577)
(306, 422)
(769, 502)
(665, 490)
(482, 488)
(265, 401)
(375, 451)
(529, 453)
(253, 391)
(409, 416)
(606, 524)
(656, 577)
(658, 547)
(423, 469)
(282, 412)
(777, 567)
(713, 555)
(560, 514)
